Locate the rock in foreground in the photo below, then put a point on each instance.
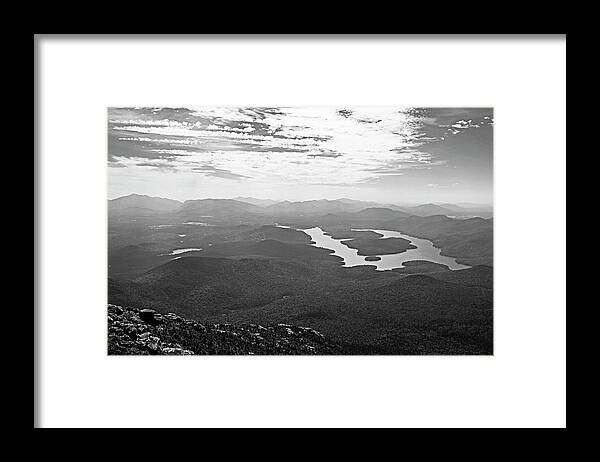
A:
(145, 332)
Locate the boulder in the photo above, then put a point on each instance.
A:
(115, 309)
(176, 351)
(147, 315)
(132, 332)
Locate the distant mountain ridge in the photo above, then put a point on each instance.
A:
(254, 201)
(428, 210)
(250, 205)
(143, 202)
(219, 206)
(324, 206)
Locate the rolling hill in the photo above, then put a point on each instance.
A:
(254, 201)
(268, 248)
(415, 314)
(274, 232)
(201, 286)
(321, 207)
(426, 210)
(216, 207)
(396, 312)
(252, 271)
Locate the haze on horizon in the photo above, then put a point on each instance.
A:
(384, 154)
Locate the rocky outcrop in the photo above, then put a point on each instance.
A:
(145, 332)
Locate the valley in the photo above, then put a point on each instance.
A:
(374, 278)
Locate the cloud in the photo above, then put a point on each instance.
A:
(163, 166)
(325, 154)
(442, 186)
(220, 173)
(316, 145)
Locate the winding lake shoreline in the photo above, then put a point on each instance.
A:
(425, 250)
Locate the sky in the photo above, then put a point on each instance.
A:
(384, 154)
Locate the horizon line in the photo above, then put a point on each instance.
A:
(299, 201)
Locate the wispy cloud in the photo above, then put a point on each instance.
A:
(312, 145)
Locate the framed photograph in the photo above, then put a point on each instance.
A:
(353, 220)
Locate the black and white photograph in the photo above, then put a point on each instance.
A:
(300, 230)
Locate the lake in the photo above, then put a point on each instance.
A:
(425, 250)
(178, 251)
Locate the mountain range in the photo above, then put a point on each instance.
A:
(136, 203)
(238, 266)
